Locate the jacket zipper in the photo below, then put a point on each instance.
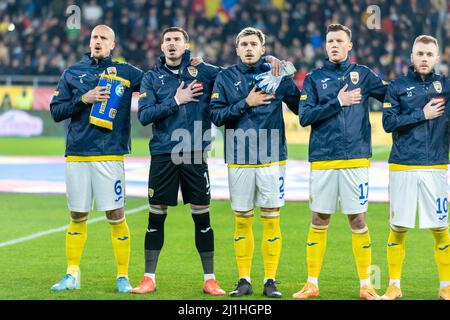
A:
(341, 81)
(178, 77)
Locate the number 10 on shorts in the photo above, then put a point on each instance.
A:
(442, 205)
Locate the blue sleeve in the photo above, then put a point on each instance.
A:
(310, 110)
(213, 70)
(377, 86)
(136, 79)
(292, 95)
(65, 103)
(149, 110)
(222, 111)
(393, 118)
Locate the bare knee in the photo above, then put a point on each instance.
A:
(357, 221)
(115, 216)
(320, 219)
(268, 210)
(78, 216)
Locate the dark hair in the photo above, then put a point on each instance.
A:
(175, 29)
(339, 27)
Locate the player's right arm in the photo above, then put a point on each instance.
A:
(310, 110)
(149, 110)
(65, 103)
(393, 117)
(222, 111)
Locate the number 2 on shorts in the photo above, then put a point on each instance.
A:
(281, 187)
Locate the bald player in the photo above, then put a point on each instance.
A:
(95, 151)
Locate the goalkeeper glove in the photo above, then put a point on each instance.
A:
(269, 83)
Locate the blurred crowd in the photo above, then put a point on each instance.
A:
(35, 39)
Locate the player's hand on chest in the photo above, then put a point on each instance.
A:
(416, 95)
(329, 85)
(239, 88)
(166, 85)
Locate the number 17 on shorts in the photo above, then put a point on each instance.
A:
(363, 193)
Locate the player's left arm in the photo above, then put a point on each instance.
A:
(393, 117)
(377, 86)
(151, 110)
(223, 111)
(136, 78)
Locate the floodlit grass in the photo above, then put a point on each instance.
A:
(54, 146)
(31, 267)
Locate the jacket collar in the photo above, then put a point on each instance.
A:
(341, 66)
(412, 74)
(105, 62)
(259, 67)
(185, 60)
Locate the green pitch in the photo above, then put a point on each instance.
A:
(48, 146)
(29, 268)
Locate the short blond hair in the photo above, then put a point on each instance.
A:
(251, 31)
(426, 39)
(104, 26)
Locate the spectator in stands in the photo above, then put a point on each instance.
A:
(32, 34)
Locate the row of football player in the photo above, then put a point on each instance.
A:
(179, 91)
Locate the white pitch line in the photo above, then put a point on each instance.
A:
(64, 228)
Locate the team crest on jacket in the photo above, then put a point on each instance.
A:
(354, 77)
(112, 71)
(437, 86)
(193, 71)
